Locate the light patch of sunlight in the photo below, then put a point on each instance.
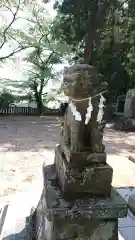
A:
(120, 237)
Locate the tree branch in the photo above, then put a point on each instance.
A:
(10, 36)
(49, 58)
(27, 19)
(10, 24)
(42, 62)
(34, 74)
(14, 52)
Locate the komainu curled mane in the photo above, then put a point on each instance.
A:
(80, 82)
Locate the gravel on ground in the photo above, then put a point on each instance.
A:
(27, 142)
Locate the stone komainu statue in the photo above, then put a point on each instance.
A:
(82, 81)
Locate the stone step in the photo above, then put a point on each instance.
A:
(15, 223)
(23, 235)
(131, 203)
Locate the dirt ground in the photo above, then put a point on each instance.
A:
(27, 142)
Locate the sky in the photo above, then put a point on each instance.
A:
(50, 9)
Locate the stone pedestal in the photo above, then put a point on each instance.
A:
(93, 178)
(83, 218)
(78, 201)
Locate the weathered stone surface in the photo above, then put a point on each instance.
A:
(32, 224)
(84, 158)
(80, 80)
(85, 218)
(129, 108)
(83, 81)
(88, 230)
(74, 181)
(131, 203)
(98, 230)
(125, 124)
(87, 208)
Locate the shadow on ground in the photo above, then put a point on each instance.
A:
(35, 134)
(28, 133)
(22, 235)
(117, 142)
(18, 236)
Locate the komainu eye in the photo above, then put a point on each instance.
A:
(65, 84)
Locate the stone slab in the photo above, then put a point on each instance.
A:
(56, 206)
(92, 230)
(88, 230)
(126, 227)
(131, 203)
(80, 158)
(127, 233)
(94, 180)
(84, 218)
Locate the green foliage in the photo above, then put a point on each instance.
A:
(8, 37)
(113, 38)
(41, 59)
(6, 98)
(112, 31)
(42, 54)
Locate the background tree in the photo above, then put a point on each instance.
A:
(40, 74)
(10, 11)
(6, 99)
(42, 60)
(102, 32)
(45, 54)
(41, 56)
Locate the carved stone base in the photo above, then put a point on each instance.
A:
(94, 179)
(81, 158)
(86, 218)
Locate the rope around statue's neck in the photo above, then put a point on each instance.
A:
(84, 99)
(77, 114)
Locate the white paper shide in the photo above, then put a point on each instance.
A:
(89, 111)
(101, 109)
(77, 114)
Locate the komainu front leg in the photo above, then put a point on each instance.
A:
(97, 139)
(75, 141)
(66, 134)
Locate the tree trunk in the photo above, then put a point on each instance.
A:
(40, 107)
(92, 25)
(39, 102)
